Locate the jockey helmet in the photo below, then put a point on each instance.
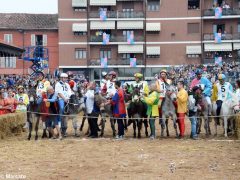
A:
(20, 87)
(138, 75)
(71, 84)
(163, 71)
(198, 72)
(195, 88)
(104, 74)
(113, 73)
(64, 75)
(69, 73)
(221, 77)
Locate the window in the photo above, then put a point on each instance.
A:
(80, 9)
(8, 38)
(193, 4)
(153, 56)
(105, 53)
(8, 62)
(80, 53)
(153, 5)
(125, 33)
(193, 28)
(193, 55)
(80, 33)
(38, 40)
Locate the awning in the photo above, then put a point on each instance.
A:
(102, 25)
(130, 25)
(218, 47)
(7, 50)
(236, 46)
(130, 49)
(193, 50)
(79, 3)
(79, 27)
(153, 27)
(102, 2)
(153, 50)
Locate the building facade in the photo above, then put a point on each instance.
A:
(165, 33)
(29, 30)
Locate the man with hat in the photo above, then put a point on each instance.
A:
(22, 100)
(111, 84)
(103, 83)
(142, 85)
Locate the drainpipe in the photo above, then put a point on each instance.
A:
(145, 37)
(202, 26)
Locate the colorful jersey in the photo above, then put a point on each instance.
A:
(119, 109)
(64, 89)
(223, 91)
(143, 87)
(110, 88)
(204, 83)
(22, 98)
(152, 103)
(161, 86)
(42, 87)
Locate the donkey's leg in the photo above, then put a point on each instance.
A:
(29, 120)
(103, 114)
(175, 124)
(125, 124)
(145, 121)
(113, 126)
(215, 124)
(167, 130)
(134, 128)
(225, 126)
(139, 127)
(206, 125)
(199, 124)
(36, 127)
(83, 121)
(163, 125)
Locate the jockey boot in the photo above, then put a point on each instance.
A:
(44, 135)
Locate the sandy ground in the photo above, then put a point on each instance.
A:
(107, 158)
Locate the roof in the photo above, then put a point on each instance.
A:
(9, 50)
(28, 21)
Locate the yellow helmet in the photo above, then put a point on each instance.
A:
(163, 71)
(20, 87)
(138, 75)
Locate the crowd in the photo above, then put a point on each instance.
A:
(54, 93)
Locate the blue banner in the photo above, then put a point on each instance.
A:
(218, 37)
(133, 62)
(130, 37)
(218, 61)
(103, 15)
(104, 62)
(218, 13)
(106, 38)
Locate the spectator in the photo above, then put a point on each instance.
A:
(11, 101)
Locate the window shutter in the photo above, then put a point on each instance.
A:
(14, 60)
(33, 40)
(44, 40)
(214, 28)
(2, 62)
(10, 38)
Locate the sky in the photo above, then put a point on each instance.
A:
(29, 6)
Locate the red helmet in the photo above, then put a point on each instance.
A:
(113, 73)
(71, 84)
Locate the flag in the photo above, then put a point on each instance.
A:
(104, 62)
(218, 13)
(103, 15)
(215, 3)
(106, 38)
(45, 64)
(218, 37)
(133, 62)
(218, 61)
(130, 37)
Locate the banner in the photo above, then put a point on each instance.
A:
(103, 15)
(218, 37)
(104, 62)
(218, 13)
(218, 61)
(106, 38)
(215, 3)
(44, 64)
(130, 37)
(133, 62)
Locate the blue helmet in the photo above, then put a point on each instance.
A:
(221, 77)
(198, 72)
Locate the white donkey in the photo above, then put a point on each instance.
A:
(229, 107)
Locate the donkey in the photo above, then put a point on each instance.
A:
(169, 110)
(137, 110)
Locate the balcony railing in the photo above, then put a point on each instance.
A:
(133, 14)
(114, 38)
(210, 37)
(118, 14)
(225, 12)
(96, 14)
(226, 60)
(97, 62)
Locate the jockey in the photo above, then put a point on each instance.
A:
(103, 83)
(141, 84)
(111, 84)
(161, 83)
(223, 93)
(64, 92)
(42, 85)
(206, 86)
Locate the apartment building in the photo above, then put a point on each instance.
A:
(28, 30)
(166, 32)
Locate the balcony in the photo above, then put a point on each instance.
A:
(132, 14)
(114, 38)
(120, 62)
(96, 14)
(211, 37)
(225, 12)
(226, 60)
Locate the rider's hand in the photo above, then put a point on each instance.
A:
(66, 100)
(45, 100)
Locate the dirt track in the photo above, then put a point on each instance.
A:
(106, 158)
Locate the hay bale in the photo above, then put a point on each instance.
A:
(238, 126)
(11, 124)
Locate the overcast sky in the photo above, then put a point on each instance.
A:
(28, 6)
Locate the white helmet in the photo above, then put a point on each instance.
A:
(64, 75)
(104, 74)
